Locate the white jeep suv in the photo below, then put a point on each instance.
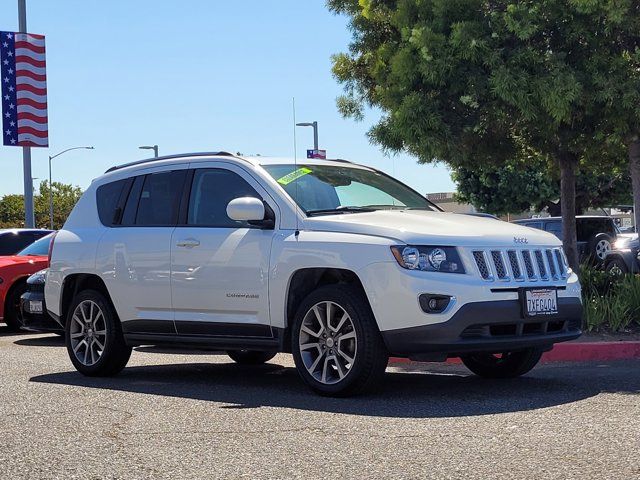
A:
(336, 263)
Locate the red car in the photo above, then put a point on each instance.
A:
(14, 271)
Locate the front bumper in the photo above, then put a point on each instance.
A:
(491, 326)
(36, 320)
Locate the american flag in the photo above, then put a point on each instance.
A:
(24, 90)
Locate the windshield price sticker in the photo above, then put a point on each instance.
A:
(296, 174)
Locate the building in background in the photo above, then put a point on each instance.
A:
(447, 202)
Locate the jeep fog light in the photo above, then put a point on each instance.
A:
(432, 303)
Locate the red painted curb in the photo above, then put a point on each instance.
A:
(575, 352)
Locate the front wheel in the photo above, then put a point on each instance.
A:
(12, 311)
(503, 365)
(336, 345)
(93, 336)
(250, 357)
(616, 267)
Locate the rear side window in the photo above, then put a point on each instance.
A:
(107, 197)
(131, 207)
(211, 192)
(11, 243)
(590, 227)
(160, 199)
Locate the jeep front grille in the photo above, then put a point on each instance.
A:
(520, 265)
(483, 265)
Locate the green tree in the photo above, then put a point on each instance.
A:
(65, 197)
(516, 187)
(12, 211)
(472, 82)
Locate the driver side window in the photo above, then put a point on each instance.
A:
(211, 191)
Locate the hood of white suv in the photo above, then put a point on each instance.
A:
(420, 227)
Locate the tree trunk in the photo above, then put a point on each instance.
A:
(634, 170)
(568, 164)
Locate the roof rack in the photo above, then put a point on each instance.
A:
(169, 157)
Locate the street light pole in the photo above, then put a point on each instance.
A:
(150, 147)
(29, 217)
(315, 131)
(51, 157)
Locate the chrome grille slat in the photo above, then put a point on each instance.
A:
(520, 264)
(528, 263)
(561, 267)
(553, 270)
(498, 263)
(482, 264)
(516, 269)
(542, 269)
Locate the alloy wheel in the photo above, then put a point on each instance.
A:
(328, 342)
(603, 247)
(616, 270)
(88, 332)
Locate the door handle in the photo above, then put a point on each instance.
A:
(188, 243)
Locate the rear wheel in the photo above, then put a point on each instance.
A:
(94, 337)
(336, 344)
(12, 312)
(502, 365)
(599, 248)
(250, 357)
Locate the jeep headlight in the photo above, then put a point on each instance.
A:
(428, 258)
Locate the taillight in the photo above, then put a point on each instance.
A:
(53, 237)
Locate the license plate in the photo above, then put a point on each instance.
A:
(35, 306)
(540, 302)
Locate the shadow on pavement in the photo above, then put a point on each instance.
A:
(51, 341)
(446, 392)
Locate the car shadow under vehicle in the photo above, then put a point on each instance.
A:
(51, 341)
(440, 392)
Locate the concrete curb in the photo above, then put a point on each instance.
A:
(575, 352)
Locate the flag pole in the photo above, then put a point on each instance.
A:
(29, 218)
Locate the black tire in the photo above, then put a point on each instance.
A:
(12, 312)
(116, 353)
(250, 357)
(596, 253)
(371, 357)
(616, 266)
(505, 365)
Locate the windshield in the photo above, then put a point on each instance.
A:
(325, 189)
(39, 247)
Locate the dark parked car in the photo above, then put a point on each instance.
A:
(34, 311)
(16, 239)
(596, 235)
(624, 256)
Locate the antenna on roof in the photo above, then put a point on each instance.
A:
(295, 164)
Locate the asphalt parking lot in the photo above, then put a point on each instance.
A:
(173, 414)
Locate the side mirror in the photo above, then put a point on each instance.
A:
(251, 210)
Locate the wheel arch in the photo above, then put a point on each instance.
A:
(304, 281)
(75, 283)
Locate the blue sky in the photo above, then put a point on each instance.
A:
(192, 76)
